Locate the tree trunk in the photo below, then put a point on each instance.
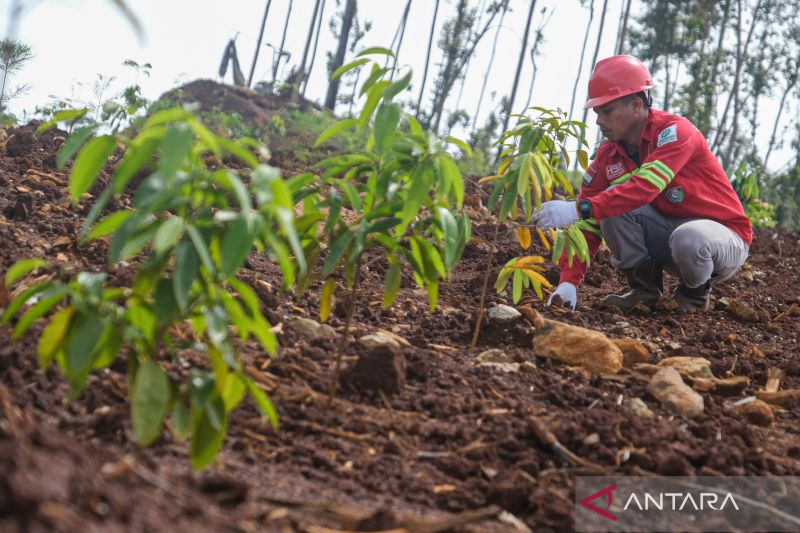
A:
(309, 38)
(711, 92)
(488, 69)
(596, 52)
(789, 87)
(258, 44)
(427, 57)
(283, 42)
(667, 79)
(697, 72)
(621, 37)
(580, 61)
(347, 22)
(519, 69)
(314, 51)
(453, 64)
(740, 51)
(402, 28)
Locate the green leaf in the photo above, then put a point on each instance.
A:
(380, 50)
(336, 252)
(421, 182)
(433, 294)
(453, 176)
(48, 300)
(263, 403)
(68, 115)
(53, 336)
(451, 237)
(236, 149)
(108, 225)
(467, 149)
(335, 129)
(236, 246)
(135, 158)
(181, 420)
(517, 285)
(326, 299)
(234, 392)
(91, 159)
(168, 234)
(22, 268)
(74, 143)
(85, 331)
(173, 114)
(375, 75)
(373, 97)
(391, 283)
(149, 402)
(17, 303)
(397, 87)
(186, 268)
(174, 149)
(386, 121)
(202, 249)
(206, 439)
(348, 67)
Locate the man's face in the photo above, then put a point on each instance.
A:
(619, 117)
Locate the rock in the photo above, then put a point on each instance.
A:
(689, 366)
(668, 388)
(381, 337)
(639, 408)
(573, 345)
(757, 412)
(591, 439)
(20, 143)
(492, 356)
(738, 309)
(709, 335)
(527, 367)
(503, 367)
(311, 330)
(503, 314)
(733, 385)
(633, 351)
(381, 369)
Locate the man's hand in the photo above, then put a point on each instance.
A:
(565, 294)
(555, 214)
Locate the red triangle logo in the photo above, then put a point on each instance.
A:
(608, 492)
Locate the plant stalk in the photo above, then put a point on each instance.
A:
(351, 305)
(484, 288)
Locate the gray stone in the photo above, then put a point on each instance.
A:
(503, 314)
(311, 330)
(492, 356)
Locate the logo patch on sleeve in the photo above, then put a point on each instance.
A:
(614, 171)
(676, 194)
(667, 135)
(587, 178)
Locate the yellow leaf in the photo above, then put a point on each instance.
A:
(524, 237)
(326, 299)
(538, 278)
(489, 178)
(583, 159)
(529, 260)
(543, 238)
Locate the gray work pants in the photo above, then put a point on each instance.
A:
(694, 249)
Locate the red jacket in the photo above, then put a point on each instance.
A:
(679, 177)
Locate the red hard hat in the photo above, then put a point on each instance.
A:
(615, 77)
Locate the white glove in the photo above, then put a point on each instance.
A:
(555, 214)
(565, 293)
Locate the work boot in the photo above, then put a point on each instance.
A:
(692, 299)
(647, 283)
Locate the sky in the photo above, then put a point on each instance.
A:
(75, 40)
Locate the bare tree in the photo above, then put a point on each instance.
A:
(283, 42)
(596, 52)
(428, 56)
(519, 69)
(402, 30)
(13, 56)
(488, 68)
(537, 42)
(348, 15)
(583, 54)
(314, 51)
(620, 48)
(309, 38)
(258, 44)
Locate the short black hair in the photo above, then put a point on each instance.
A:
(644, 96)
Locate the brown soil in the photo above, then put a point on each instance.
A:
(454, 439)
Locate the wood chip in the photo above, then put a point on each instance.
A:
(779, 398)
(774, 376)
(447, 487)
